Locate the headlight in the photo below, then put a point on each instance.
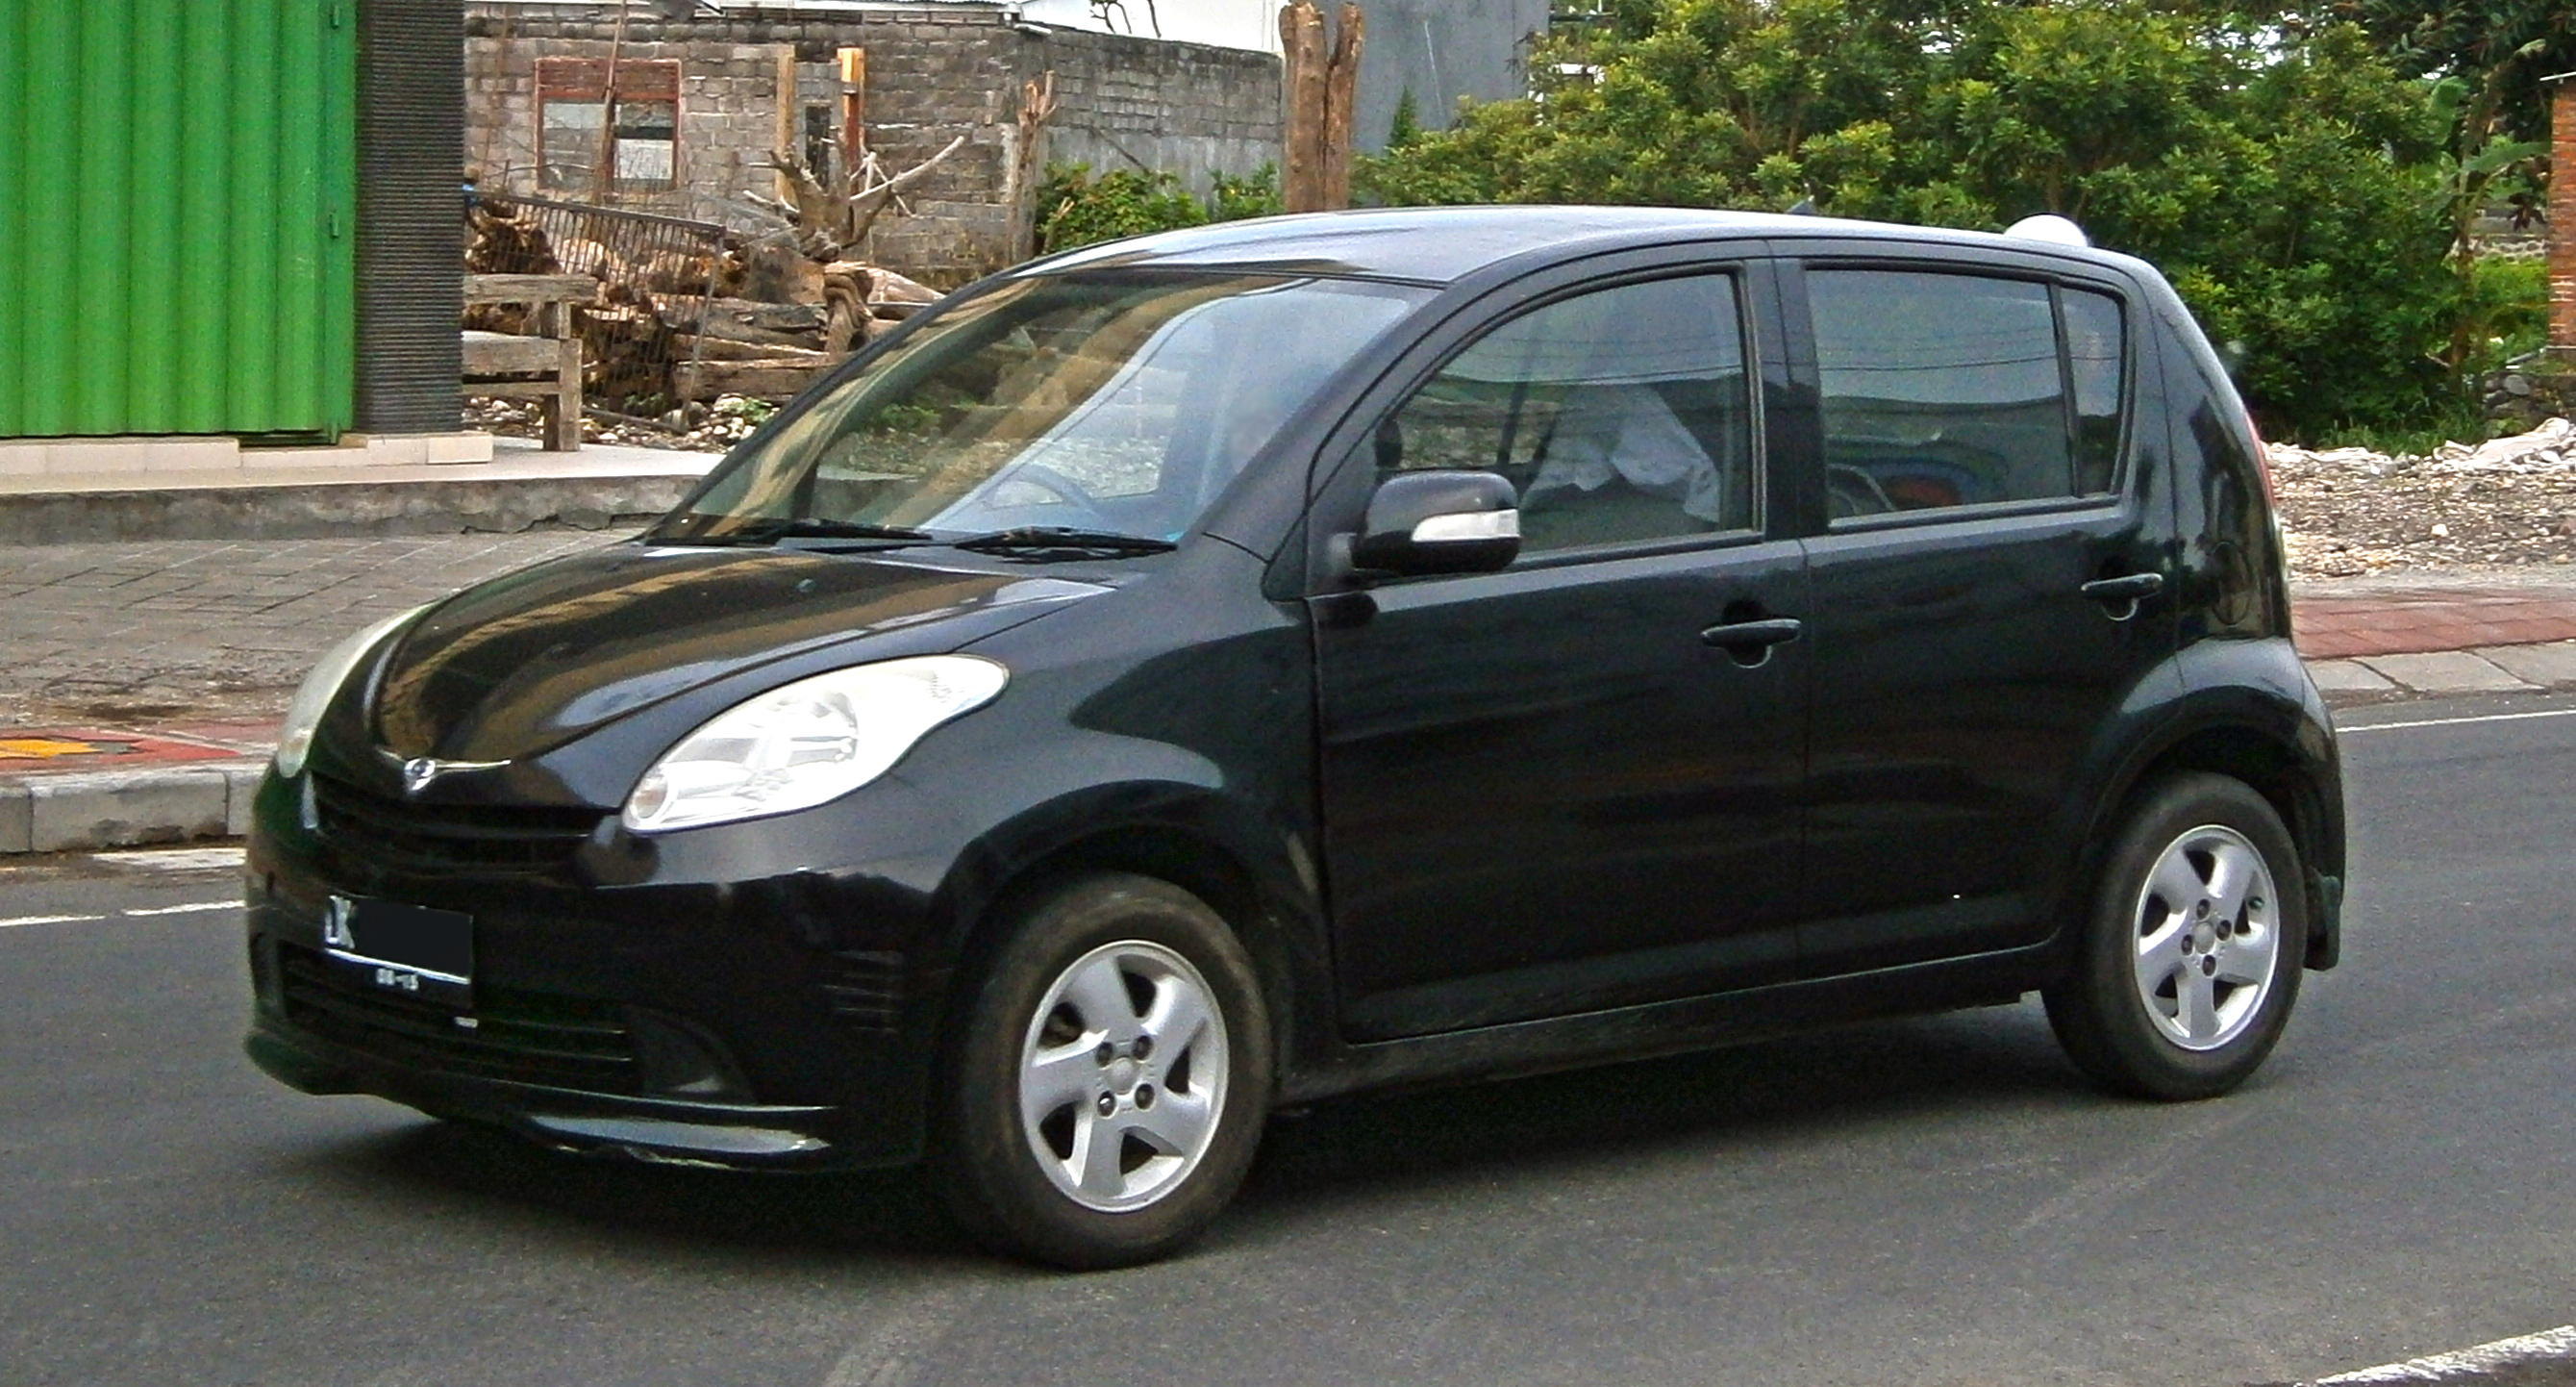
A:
(814, 740)
(295, 736)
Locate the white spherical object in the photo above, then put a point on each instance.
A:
(2048, 226)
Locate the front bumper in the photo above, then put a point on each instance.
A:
(700, 1005)
(749, 1135)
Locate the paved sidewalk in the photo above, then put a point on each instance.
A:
(2420, 635)
(141, 681)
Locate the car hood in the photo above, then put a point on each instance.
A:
(529, 661)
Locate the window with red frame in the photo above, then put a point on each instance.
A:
(572, 105)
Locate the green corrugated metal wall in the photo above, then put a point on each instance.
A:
(177, 208)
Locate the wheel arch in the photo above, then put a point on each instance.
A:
(2305, 789)
(1252, 880)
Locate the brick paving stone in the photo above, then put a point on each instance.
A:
(2376, 619)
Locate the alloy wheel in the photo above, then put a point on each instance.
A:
(2208, 938)
(1122, 1076)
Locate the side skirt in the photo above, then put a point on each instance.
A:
(1662, 1028)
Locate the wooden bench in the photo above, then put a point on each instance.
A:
(544, 366)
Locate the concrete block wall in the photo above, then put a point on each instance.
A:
(1122, 102)
(1125, 102)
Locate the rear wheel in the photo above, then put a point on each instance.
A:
(1107, 1089)
(2188, 967)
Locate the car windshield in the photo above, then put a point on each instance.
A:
(1105, 406)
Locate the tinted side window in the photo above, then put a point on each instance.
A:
(1619, 415)
(1949, 390)
(2096, 364)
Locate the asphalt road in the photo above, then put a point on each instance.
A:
(1933, 1201)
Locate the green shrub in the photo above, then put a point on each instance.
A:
(2509, 301)
(1076, 209)
(1256, 194)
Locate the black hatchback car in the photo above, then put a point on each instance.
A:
(1226, 669)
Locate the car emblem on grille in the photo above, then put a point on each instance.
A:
(420, 770)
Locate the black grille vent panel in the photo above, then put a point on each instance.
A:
(868, 992)
(513, 838)
(520, 1037)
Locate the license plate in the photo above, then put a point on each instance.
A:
(404, 948)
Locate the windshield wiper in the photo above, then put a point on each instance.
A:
(1028, 539)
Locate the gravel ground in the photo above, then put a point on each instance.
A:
(695, 428)
(2508, 504)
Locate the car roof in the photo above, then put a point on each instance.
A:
(1439, 245)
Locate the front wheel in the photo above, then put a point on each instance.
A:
(2186, 972)
(1108, 1086)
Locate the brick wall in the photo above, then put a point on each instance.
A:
(2562, 215)
(932, 75)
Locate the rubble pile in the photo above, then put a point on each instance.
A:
(694, 427)
(2347, 512)
(749, 316)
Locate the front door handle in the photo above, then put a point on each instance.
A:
(1750, 642)
(2120, 596)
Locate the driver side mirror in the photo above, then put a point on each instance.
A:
(1440, 522)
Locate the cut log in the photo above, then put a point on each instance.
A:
(846, 322)
(771, 317)
(772, 378)
(894, 288)
(721, 349)
(725, 327)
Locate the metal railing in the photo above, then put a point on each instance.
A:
(655, 274)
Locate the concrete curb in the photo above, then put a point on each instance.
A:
(2366, 679)
(353, 509)
(118, 809)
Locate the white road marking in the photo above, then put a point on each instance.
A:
(893, 1353)
(2454, 722)
(2105, 1189)
(191, 908)
(2549, 1343)
(174, 859)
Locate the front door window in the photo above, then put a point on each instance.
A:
(1619, 415)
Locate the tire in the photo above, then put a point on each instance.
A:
(2186, 972)
(1119, 991)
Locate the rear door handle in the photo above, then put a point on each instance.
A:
(2121, 595)
(1750, 642)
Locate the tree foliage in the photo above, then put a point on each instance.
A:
(2518, 42)
(2284, 175)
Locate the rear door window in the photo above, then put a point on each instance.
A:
(1943, 390)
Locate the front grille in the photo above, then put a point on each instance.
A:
(867, 991)
(521, 1037)
(500, 837)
